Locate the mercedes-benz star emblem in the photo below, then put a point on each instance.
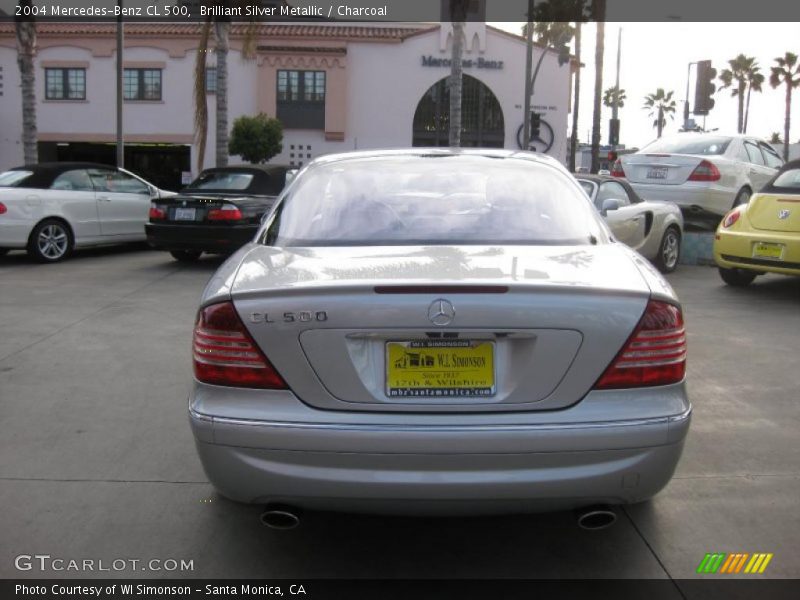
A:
(441, 312)
(784, 214)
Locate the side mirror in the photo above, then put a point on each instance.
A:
(610, 204)
(290, 175)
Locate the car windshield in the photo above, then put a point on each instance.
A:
(13, 178)
(788, 179)
(222, 181)
(705, 145)
(444, 199)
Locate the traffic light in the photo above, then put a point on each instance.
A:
(704, 88)
(613, 132)
(536, 123)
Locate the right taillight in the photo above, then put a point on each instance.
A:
(654, 355)
(617, 170)
(705, 171)
(225, 354)
(3, 209)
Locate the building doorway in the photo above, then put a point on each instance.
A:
(481, 116)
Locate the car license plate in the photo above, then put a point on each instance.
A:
(657, 173)
(184, 214)
(444, 368)
(766, 250)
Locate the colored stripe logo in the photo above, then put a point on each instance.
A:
(734, 563)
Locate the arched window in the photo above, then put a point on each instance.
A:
(481, 116)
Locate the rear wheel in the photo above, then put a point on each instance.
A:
(743, 197)
(737, 277)
(185, 255)
(669, 251)
(51, 241)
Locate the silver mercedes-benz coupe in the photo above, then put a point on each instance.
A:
(436, 331)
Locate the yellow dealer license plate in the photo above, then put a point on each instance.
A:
(765, 250)
(443, 368)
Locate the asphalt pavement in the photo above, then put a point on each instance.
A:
(97, 459)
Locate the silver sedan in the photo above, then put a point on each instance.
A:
(654, 229)
(436, 331)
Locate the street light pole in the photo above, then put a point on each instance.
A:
(120, 44)
(615, 106)
(526, 122)
(686, 102)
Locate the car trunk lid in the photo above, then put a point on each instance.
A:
(193, 209)
(775, 212)
(538, 324)
(659, 169)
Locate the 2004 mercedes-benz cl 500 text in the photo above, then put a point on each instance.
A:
(438, 331)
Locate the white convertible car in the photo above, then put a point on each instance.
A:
(52, 208)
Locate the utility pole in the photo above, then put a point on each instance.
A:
(686, 102)
(526, 128)
(120, 44)
(615, 107)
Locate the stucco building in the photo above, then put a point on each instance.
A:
(335, 87)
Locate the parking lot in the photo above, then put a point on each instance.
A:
(97, 459)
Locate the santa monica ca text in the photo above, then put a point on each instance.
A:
(59, 589)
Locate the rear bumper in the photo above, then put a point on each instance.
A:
(700, 198)
(435, 463)
(219, 238)
(734, 250)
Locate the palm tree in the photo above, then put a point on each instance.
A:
(573, 140)
(738, 75)
(458, 14)
(613, 96)
(660, 105)
(775, 138)
(26, 49)
(221, 29)
(598, 83)
(788, 73)
(754, 81)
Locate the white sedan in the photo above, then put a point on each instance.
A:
(706, 174)
(52, 208)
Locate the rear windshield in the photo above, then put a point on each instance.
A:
(788, 179)
(704, 146)
(221, 181)
(13, 178)
(413, 200)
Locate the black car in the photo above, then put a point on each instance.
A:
(218, 212)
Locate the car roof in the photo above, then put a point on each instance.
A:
(45, 173)
(437, 152)
(264, 168)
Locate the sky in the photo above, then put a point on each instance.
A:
(657, 54)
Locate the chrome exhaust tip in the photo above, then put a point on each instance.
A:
(280, 517)
(596, 517)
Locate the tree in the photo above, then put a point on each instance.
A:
(256, 139)
(787, 73)
(220, 26)
(26, 50)
(458, 15)
(754, 81)
(775, 138)
(660, 105)
(573, 140)
(613, 96)
(737, 78)
(599, 10)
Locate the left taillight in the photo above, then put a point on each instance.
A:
(3, 209)
(225, 354)
(157, 213)
(731, 218)
(228, 212)
(705, 171)
(617, 170)
(654, 355)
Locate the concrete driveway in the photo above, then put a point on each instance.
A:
(97, 460)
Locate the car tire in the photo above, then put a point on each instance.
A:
(669, 250)
(743, 197)
(737, 277)
(3, 251)
(51, 241)
(186, 256)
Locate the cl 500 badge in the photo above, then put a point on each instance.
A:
(304, 316)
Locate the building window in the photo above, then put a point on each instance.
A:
(211, 80)
(65, 84)
(142, 84)
(301, 99)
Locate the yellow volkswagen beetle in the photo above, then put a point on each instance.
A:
(762, 236)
